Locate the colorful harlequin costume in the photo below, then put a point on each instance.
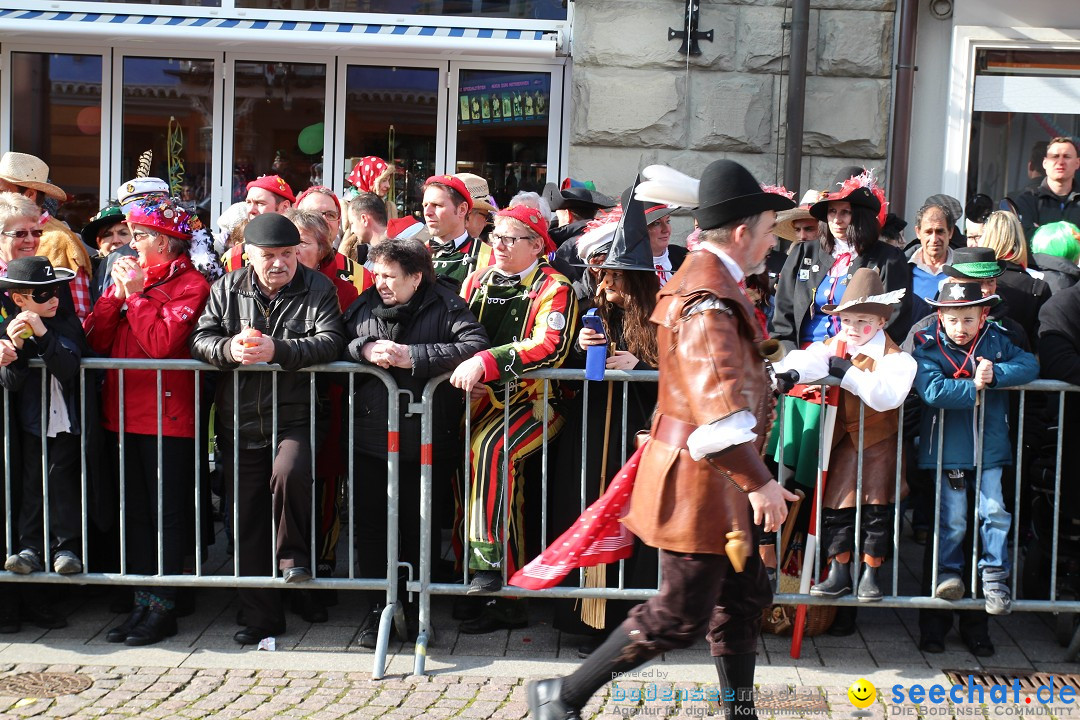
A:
(531, 321)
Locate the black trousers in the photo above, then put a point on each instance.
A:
(274, 487)
(141, 503)
(369, 505)
(699, 592)
(838, 528)
(65, 507)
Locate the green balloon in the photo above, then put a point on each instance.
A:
(310, 139)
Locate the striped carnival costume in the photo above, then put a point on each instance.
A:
(531, 321)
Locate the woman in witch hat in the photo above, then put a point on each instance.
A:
(626, 286)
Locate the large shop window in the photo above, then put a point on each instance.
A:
(1022, 99)
(525, 9)
(279, 111)
(56, 115)
(502, 129)
(169, 110)
(392, 113)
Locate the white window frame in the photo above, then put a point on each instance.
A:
(968, 40)
(106, 106)
(344, 62)
(330, 161)
(216, 158)
(557, 124)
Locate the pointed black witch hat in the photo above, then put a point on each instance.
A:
(630, 249)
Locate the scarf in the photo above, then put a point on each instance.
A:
(398, 317)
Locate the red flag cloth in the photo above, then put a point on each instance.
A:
(596, 537)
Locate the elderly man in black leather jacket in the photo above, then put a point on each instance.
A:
(273, 311)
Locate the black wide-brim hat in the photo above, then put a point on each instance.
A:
(963, 294)
(34, 272)
(271, 230)
(581, 198)
(859, 197)
(107, 217)
(974, 263)
(729, 192)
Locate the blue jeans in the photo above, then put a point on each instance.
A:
(993, 524)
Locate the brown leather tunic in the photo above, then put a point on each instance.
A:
(710, 368)
(880, 435)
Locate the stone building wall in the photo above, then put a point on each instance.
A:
(636, 100)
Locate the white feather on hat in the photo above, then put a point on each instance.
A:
(667, 185)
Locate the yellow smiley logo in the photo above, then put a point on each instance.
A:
(862, 693)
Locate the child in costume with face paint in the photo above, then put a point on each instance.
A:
(960, 356)
(875, 373)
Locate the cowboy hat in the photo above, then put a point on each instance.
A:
(965, 293)
(34, 272)
(865, 293)
(28, 171)
(786, 219)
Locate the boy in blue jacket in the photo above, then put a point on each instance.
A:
(959, 357)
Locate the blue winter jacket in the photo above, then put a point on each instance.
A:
(937, 387)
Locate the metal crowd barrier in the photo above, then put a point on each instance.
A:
(201, 578)
(424, 586)
(422, 581)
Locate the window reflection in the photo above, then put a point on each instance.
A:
(503, 129)
(392, 113)
(279, 109)
(56, 115)
(169, 109)
(1013, 117)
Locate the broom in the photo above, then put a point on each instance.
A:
(594, 610)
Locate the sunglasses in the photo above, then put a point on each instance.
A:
(42, 295)
(21, 234)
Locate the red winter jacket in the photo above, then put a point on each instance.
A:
(157, 324)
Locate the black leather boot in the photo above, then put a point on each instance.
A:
(545, 703)
(869, 590)
(837, 584)
(736, 674)
(119, 633)
(156, 625)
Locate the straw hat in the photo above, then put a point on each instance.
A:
(478, 189)
(786, 219)
(28, 171)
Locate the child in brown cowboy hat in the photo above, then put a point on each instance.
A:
(875, 372)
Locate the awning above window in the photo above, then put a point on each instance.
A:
(233, 33)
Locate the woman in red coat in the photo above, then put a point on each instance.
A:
(149, 312)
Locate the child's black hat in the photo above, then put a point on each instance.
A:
(34, 272)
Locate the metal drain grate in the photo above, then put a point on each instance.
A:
(44, 685)
(1030, 680)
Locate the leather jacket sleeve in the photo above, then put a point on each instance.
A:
(210, 339)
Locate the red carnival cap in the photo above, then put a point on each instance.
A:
(274, 184)
(453, 182)
(533, 220)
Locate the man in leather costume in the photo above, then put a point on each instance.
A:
(702, 488)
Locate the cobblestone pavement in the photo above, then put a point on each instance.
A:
(188, 694)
